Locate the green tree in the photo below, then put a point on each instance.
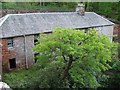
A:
(51, 77)
(111, 78)
(85, 55)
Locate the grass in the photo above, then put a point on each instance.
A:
(21, 78)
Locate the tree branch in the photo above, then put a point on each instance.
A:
(83, 41)
(64, 57)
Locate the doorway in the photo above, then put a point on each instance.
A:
(12, 63)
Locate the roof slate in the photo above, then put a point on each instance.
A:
(32, 23)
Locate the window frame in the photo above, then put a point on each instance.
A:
(10, 43)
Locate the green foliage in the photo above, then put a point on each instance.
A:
(108, 9)
(85, 55)
(89, 56)
(114, 80)
(20, 78)
(43, 6)
(8, 5)
(112, 77)
(116, 65)
(37, 77)
(52, 76)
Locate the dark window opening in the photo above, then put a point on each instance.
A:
(35, 58)
(10, 43)
(86, 30)
(35, 38)
(12, 63)
(115, 38)
(35, 41)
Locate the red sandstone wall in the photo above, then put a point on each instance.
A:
(116, 32)
(5, 54)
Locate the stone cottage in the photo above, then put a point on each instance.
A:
(18, 32)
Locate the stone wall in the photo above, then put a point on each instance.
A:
(106, 30)
(29, 47)
(18, 52)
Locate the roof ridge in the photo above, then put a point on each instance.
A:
(4, 19)
(42, 13)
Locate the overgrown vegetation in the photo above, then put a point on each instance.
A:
(108, 9)
(37, 77)
(69, 58)
(112, 77)
(39, 6)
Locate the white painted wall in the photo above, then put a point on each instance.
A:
(107, 30)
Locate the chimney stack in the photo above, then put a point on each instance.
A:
(80, 9)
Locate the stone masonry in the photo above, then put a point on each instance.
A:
(18, 52)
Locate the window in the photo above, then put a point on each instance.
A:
(86, 30)
(35, 38)
(12, 63)
(10, 43)
(35, 57)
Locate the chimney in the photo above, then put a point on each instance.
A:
(80, 9)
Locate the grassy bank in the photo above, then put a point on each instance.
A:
(21, 78)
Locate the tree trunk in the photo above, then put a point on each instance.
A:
(68, 66)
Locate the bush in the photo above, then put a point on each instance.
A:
(52, 76)
(20, 78)
(112, 77)
(37, 77)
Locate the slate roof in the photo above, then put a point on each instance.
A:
(32, 23)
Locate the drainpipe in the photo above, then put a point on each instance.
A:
(25, 49)
(0, 62)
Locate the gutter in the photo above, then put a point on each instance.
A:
(96, 26)
(25, 50)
